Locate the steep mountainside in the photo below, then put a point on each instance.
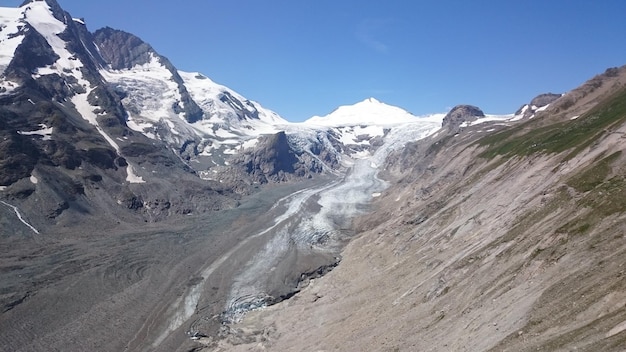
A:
(502, 237)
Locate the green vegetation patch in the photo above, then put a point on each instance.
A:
(574, 135)
(607, 198)
(602, 194)
(593, 175)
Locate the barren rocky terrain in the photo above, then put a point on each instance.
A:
(121, 289)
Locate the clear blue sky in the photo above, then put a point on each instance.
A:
(306, 57)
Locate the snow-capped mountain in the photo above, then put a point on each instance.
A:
(104, 116)
(100, 123)
(367, 112)
(186, 110)
(360, 128)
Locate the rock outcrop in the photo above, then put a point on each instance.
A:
(538, 103)
(460, 114)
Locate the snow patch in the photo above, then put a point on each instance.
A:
(45, 132)
(20, 217)
(33, 179)
(489, 118)
(10, 23)
(250, 143)
(131, 176)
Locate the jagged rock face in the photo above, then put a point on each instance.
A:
(34, 52)
(460, 114)
(273, 157)
(274, 160)
(245, 109)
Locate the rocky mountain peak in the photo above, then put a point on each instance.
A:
(544, 99)
(122, 50)
(538, 103)
(460, 114)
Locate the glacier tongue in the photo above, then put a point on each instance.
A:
(316, 230)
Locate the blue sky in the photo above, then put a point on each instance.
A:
(305, 58)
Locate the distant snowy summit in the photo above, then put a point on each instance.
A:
(367, 112)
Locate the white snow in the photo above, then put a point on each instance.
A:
(151, 95)
(367, 112)
(10, 23)
(19, 216)
(207, 94)
(39, 16)
(489, 118)
(45, 131)
(361, 154)
(250, 143)
(574, 117)
(33, 179)
(223, 133)
(131, 176)
(351, 134)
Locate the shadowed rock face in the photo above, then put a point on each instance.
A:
(273, 160)
(460, 114)
(122, 50)
(274, 156)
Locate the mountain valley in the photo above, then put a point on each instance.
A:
(144, 208)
